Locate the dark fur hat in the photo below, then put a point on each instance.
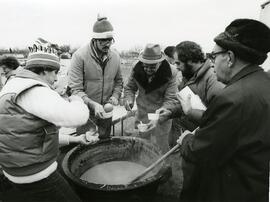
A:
(248, 39)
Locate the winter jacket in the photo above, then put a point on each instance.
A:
(29, 113)
(28, 144)
(160, 92)
(231, 150)
(88, 78)
(204, 83)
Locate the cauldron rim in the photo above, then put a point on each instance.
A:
(110, 188)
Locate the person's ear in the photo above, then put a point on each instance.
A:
(231, 58)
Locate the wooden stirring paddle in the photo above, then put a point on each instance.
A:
(154, 164)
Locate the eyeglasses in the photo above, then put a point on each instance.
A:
(212, 56)
(106, 41)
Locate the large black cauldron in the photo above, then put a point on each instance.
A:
(137, 150)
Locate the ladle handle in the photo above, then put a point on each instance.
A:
(154, 164)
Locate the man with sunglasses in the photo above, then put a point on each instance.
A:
(231, 149)
(155, 81)
(95, 73)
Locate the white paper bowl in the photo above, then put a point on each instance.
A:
(91, 135)
(153, 116)
(107, 115)
(142, 127)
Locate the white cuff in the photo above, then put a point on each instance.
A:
(63, 139)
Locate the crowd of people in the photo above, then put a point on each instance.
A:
(225, 148)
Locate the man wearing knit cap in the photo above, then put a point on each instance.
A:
(95, 73)
(231, 149)
(30, 115)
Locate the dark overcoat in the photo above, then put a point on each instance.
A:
(231, 150)
(160, 92)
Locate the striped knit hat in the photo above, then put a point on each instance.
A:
(102, 29)
(42, 59)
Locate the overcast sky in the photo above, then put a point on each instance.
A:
(136, 22)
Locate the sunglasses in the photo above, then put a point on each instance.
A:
(212, 56)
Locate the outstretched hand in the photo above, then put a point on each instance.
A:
(151, 125)
(81, 139)
(164, 114)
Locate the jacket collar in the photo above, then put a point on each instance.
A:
(24, 73)
(93, 52)
(199, 73)
(162, 76)
(10, 74)
(249, 69)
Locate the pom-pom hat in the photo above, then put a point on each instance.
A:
(102, 29)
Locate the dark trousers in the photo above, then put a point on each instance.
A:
(51, 189)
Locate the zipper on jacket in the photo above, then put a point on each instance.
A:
(103, 70)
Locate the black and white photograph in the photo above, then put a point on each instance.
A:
(134, 100)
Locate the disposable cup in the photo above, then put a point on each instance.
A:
(90, 134)
(153, 116)
(142, 127)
